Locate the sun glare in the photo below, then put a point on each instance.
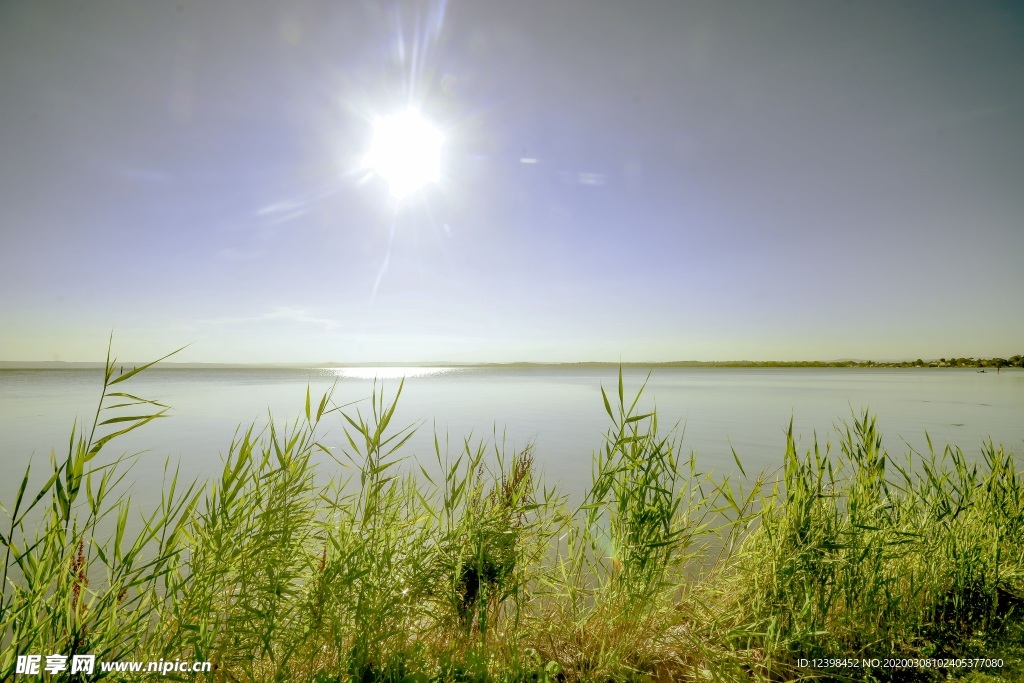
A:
(406, 152)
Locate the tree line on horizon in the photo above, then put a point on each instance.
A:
(1011, 362)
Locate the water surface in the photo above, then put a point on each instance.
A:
(559, 409)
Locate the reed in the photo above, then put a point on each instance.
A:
(474, 570)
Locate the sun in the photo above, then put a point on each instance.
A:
(406, 152)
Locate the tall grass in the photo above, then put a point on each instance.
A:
(469, 568)
(859, 553)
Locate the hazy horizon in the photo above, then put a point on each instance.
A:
(648, 182)
(43, 364)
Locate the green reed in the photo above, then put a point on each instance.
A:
(474, 570)
(861, 554)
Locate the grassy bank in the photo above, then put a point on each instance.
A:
(470, 569)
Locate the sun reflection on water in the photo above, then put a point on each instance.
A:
(385, 372)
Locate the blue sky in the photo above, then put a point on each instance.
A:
(713, 181)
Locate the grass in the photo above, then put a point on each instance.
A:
(473, 570)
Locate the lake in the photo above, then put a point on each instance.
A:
(558, 408)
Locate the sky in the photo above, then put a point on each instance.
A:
(619, 181)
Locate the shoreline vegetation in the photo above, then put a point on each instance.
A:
(1016, 361)
(476, 570)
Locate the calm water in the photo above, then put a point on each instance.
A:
(558, 409)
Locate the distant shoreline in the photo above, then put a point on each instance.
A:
(977, 363)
